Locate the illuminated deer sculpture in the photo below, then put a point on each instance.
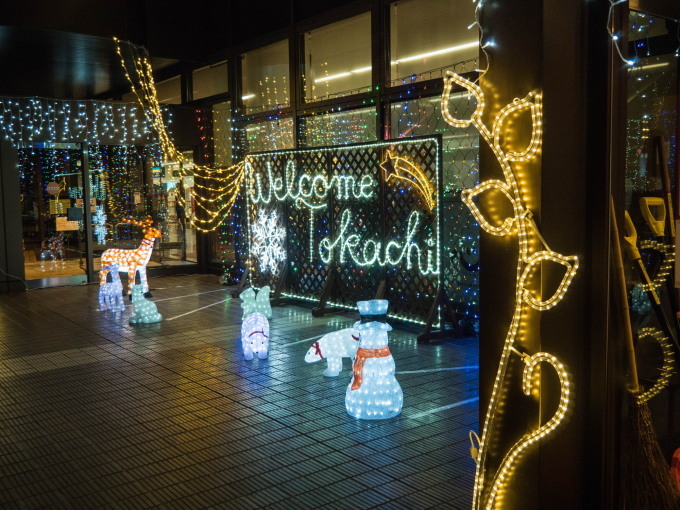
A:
(131, 261)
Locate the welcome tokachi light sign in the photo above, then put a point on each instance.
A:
(360, 214)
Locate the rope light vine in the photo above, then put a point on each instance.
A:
(215, 189)
(533, 252)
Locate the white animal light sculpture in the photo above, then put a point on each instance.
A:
(144, 311)
(333, 347)
(255, 336)
(111, 293)
(373, 393)
(255, 327)
(131, 261)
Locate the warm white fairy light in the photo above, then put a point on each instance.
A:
(531, 257)
(664, 271)
(222, 185)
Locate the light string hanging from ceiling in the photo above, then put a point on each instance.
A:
(28, 119)
(533, 252)
(220, 186)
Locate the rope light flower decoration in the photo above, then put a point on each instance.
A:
(533, 253)
(215, 189)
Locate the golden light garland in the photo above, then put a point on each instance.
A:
(531, 256)
(223, 184)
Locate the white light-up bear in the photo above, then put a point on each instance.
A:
(144, 311)
(333, 347)
(111, 293)
(373, 393)
(255, 327)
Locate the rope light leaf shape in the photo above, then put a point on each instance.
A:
(529, 261)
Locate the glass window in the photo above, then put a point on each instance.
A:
(270, 135)
(338, 128)
(338, 58)
(430, 34)
(169, 91)
(210, 80)
(265, 77)
(222, 147)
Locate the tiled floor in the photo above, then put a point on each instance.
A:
(96, 413)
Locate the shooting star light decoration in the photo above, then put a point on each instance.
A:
(402, 168)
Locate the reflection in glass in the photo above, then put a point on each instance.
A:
(651, 152)
(210, 80)
(338, 128)
(338, 58)
(270, 135)
(430, 34)
(51, 185)
(169, 91)
(222, 128)
(265, 75)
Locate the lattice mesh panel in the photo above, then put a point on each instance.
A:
(307, 273)
(460, 154)
(259, 275)
(355, 215)
(411, 293)
(353, 282)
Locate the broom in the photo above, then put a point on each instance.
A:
(646, 480)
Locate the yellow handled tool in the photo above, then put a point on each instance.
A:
(630, 240)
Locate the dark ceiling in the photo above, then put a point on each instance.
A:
(59, 64)
(65, 49)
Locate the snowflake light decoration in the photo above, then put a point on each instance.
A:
(99, 222)
(268, 242)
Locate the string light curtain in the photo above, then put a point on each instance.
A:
(215, 190)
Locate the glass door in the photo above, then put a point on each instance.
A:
(55, 234)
